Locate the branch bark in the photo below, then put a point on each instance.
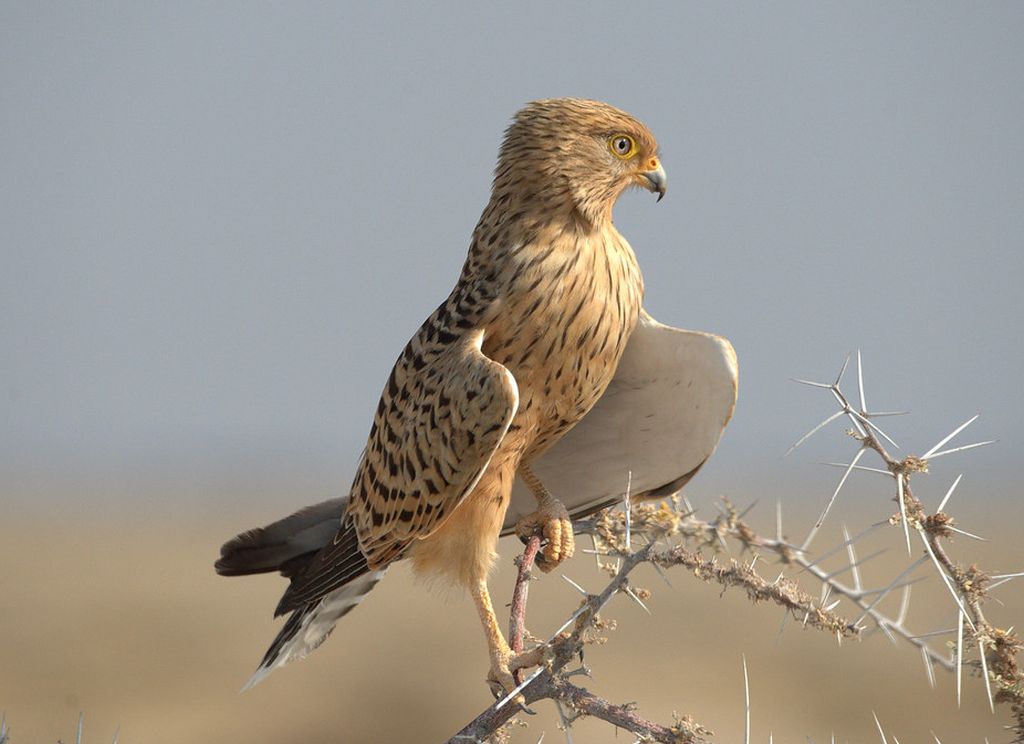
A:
(551, 681)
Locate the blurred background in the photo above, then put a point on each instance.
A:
(219, 223)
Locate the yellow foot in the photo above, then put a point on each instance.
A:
(505, 675)
(551, 520)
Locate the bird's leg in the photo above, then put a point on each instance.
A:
(504, 662)
(551, 521)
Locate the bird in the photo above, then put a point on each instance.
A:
(513, 403)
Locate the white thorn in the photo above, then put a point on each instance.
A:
(839, 377)
(1008, 576)
(814, 431)
(959, 654)
(961, 449)
(869, 424)
(885, 592)
(984, 673)
(865, 468)
(812, 384)
(831, 501)
(860, 384)
(904, 605)
(572, 618)
(955, 431)
(903, 510)
(628, 509)
(965, 533)
(578, 588)
(782, 627)
(746, 694)
(832, 551)
(928, 666)
(853, 559)
(636, 599)
(522, 685)
(880, 732)
(942, 504)
(945, 579)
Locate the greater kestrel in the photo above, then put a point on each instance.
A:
(526, 344)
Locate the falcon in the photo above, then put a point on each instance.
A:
(524, 401)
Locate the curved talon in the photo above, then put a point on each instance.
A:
(552, 522)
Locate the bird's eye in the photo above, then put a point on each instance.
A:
(622, 145)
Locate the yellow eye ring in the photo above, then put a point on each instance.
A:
(622, 146)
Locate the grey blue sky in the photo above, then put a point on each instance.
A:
(220, 222)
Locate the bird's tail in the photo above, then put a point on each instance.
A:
(309, 626)
(289, 546)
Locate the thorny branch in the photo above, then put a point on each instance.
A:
(551, 681)
(675, 537)
(998, 648)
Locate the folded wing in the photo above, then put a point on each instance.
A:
(659, 421)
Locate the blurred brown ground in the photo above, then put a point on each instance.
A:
(113, 609)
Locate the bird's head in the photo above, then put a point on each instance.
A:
(575, 153)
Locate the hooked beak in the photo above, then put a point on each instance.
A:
(655, 180)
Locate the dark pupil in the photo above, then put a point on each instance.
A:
(622, 145)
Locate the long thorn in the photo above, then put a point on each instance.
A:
(880, 732)
(636, 599)
(831, 501)
(961, 449)
(945, 579)
(965, 533)
(1007, 576)
(825, 385)
(628, 509)
(578, 588)
(942, 504)
(984, 673)
(832, 551)
(959, 654)
(865, 468)
(903, 509)
(839, 377)
(860, 383)
(952, 434)
(928, 667)
(852, 555)
(884, 592)
(519, 688)
(814, 431)
(746, 694)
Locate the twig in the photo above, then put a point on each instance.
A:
(517, 615)
(550, 681)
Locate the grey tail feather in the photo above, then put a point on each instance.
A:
(286, 545)
(308, 626)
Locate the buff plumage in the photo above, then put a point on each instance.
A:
(523, 347)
